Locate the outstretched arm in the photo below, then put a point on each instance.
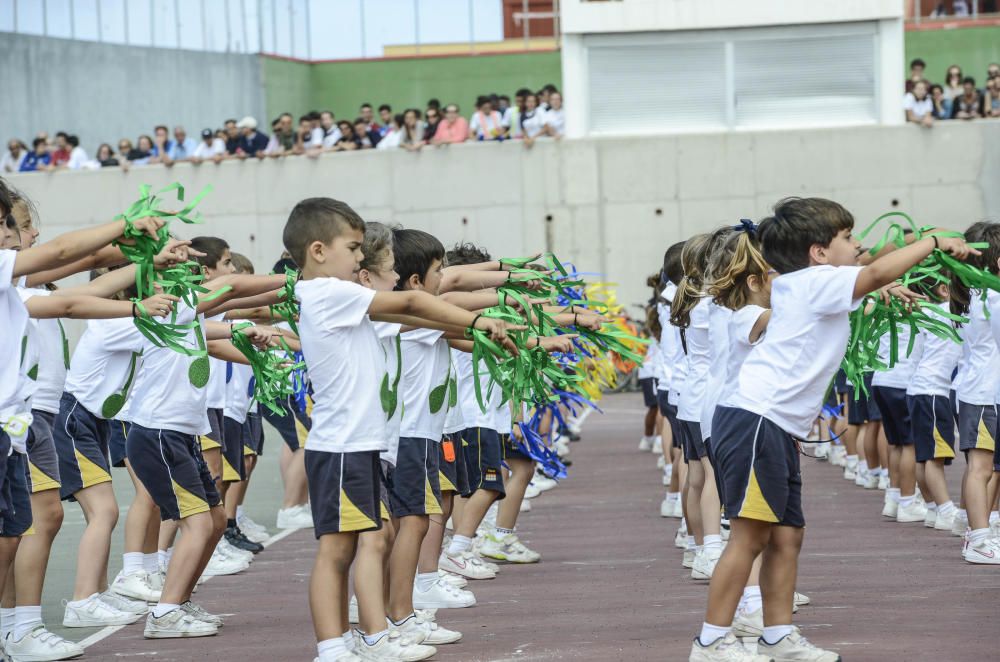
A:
(72, 246)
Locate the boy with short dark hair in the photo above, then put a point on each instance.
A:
(774, 403)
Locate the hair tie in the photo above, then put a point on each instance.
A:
(746, 225)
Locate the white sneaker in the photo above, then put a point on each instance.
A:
(795, 647)
(466, 565)
(931, 518)
(525, 506)
(944, 522)
(431, 616)
(850, 471)
(229, 550)
(890, 507)
(800, 599)
(175, 624)
(392, 648)
(346, 656)
(914, 512)
(196, 610)
(135, 585)
(985, 553)
(40, 645)
(861, 477)
(724, 649)
(704, 563)
(658, 445)
(296, 517)
(155, 580)
(121, 603)
(423, 630)
(509, 549)
(838, 456)
(443, 595)
(531, 491)
(220, 564)
(883, 482)
(687, 561)
(94, 612)
(749, 623)
(680, 538)
(667, 507)
(544, 483)
(455, 580)
(959, 524)
(871, 481)
(477, 556)
(562, 448)
(822, 451)
(252, 530)
(646, 444)
(661, 462)
(678, 508)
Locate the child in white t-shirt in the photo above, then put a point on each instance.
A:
(809, 243)
(674, 367)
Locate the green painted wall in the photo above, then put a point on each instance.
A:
(343, 86)
(970, 48)
(287, 87)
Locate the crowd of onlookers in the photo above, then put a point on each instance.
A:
(530, 117)
(958, 98)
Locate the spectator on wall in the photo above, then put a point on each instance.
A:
(917, 67)
(105, 156)
(433, 103)
(967, 106)
(305, 136)
(367, 137)
(952, 83)
(124, 147)
(412, 131)
(918, 106)
(543, 96)
(77, 155)
(505, 109)
(942, 106)
(555, 119)
(142, 153)
(331, 133)
(433, 116)
(252, 142)
(60, 155)
(532, 120)
(452, 129)
(991, 98)
(316, 133)
(394, 135)
(162, 144)
(514, 126)
(283, 138)
(181, 148)
(232, 136)
(348, 141)
(38, 158)
(385, 113)
(211, 147)
(369, 117)
(485, 123)
(16, 151)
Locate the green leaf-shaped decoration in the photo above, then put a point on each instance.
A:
(452, 393)
(112, 405)
(33, 373)
(199, 371)
(436, 399)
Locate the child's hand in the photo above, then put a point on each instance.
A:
(592, 322)
(262, 337)
(497, 329)
(159, 305)
(904, 294)
(175, 252)
(956, 247)
(563, 343)
(149, 225)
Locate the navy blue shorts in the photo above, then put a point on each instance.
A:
(116, 446)
(82, 441)
(511, 451)
(932, 427)
(233, 469)
(43, 462)
(171, 468)
(254, 431)
(669, 412)
(15, 495)
(344, 491)
(415, 483)
(758, 467)
(216, 436)
(891, 403)
(977, 427)
(694, 445)
(454, 475)
(293, 425)
(483, 454)
(648, 385)
(840, 385)
(861, 409)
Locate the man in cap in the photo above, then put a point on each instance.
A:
(252, 143)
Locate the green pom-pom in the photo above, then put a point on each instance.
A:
(199, 371)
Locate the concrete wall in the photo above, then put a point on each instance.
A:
(609, 205)
(103, 92)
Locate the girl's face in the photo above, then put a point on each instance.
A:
(381, 278)
(530, 102)
(954, 75)
(410, 119)
(27, 232)
(145, 144)
(760, 288)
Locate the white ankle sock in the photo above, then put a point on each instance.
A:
(150, 562)
(931, 507)
(751, 598)
(163, 608)
(713, 541)
(945, 509)
(710, 633)
(350, 643)
(963, 514)
(893, 494)
(774, 633)
(691, 544)
(862, 466)
(459, 544)
(978, 536)
(239, 512)
(26, 619)
(426, 581)
(331, 648)
(6, 622)
(673, 496)
(906, 501)
(500, 533)
(131, 562)
(994, 516)
(372, 639)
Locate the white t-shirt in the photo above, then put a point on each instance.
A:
(918, 108)
(741, 324)
(669, 339)
(11, 163)
(392, 349)
(206, 151)
(330, 139)
(237, 390)
(426, 365)
(935, 365)
(650, 368)
(981, 357)
(718, 334)
(487, 126)
(215, 391)
(503, 417)
(315, 138)
(391, 140)
(53, 361)
(13, 326)
(557, 120)
(454, 421)
(699, 361)
(346, 366)
(533, 122)
(785, 377)
(106, 359)
(163, 396)
(77, 158)
(899, 375)
(472, 414)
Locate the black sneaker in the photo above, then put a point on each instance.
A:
(236, 538)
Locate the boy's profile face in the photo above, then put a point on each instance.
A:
(341, 258)
(842, 251)
(222, 268)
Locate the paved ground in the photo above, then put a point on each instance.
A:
(611, 587)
